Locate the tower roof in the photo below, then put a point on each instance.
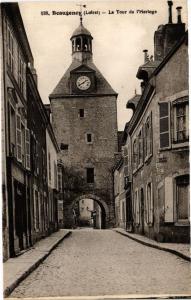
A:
(81, 30)
(63, 87)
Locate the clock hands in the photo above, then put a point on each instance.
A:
(83, 82)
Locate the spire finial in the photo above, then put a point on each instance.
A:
(81, 6)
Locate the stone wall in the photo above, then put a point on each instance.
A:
(100, 119)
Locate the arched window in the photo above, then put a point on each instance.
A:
(78, 44)
(85, 44)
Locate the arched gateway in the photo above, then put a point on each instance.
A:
(107, 218)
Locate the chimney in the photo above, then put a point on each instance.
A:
(146, 57)
(170, 4)
(179, 14)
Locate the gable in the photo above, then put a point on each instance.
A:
(63, 87)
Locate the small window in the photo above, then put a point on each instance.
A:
(63, 146)
(89, 138)
(81, 113)
(90, 175)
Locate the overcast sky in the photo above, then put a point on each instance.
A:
(118, 41)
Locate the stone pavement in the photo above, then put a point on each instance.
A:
(181, 250)
(104, 263)
(17, 269)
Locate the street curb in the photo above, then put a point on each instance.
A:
(8, 290)
(172, 251)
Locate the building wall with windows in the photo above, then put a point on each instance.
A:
(52, 178)
(120, 194)
(16, 56)
(24, 122)
(173, 146)
(160, 157)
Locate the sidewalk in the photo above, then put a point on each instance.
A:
(181, 250)
(17, 269)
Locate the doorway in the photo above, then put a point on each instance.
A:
(142, 212)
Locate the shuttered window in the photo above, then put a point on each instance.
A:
(164, 125)
(27, 147)
(19, 139)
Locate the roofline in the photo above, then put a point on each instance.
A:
(81, 34)
(148, 92)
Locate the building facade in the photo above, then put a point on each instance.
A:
(24, 125)
(157, 177)
(84, 118)
(52, 177)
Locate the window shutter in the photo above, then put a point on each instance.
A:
(151, 134)
(169, 204)
(19, 139)
(134, 207)
(164, 125)
(138, 209)
(144, 142)
(147, 205)
(27, 146)
(37, 158)
(151, 205)
(187, 121)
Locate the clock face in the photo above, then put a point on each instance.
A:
(83, 83)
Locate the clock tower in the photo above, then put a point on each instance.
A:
(84, 118)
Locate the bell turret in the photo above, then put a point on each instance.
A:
(81, 43)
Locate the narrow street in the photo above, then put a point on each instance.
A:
(102, 262)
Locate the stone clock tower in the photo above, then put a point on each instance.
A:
(84, 118)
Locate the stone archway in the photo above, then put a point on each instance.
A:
(102, 204)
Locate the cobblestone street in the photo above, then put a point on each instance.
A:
(102, 262)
